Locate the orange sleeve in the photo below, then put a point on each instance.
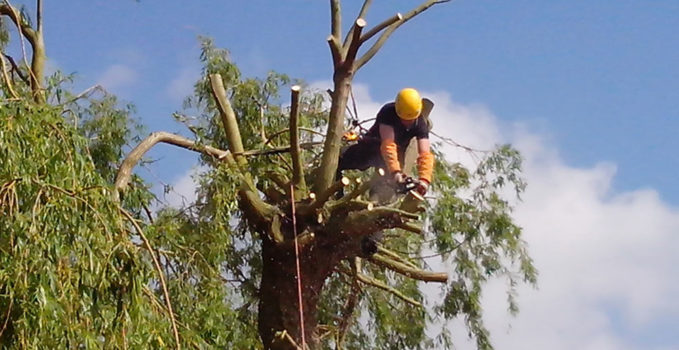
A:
(425, 165)
(389, 152)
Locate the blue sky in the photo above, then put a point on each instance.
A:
(599, 77)
(589, 90)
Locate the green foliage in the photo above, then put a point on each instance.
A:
(475, 234)
(70, 275)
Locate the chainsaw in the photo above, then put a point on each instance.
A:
(407, 185)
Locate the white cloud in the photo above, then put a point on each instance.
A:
(606, 259)
(182, 85)
(117, 76)
(183, 191)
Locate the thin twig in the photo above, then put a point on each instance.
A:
(9, 310)
(452, 142)
(421, 275)
(391, 28)
(86, 92)
(15, 68)
(383, 286)
(7, 80)
(160, 273)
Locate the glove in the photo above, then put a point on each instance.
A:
(422, 187)
(399, 177)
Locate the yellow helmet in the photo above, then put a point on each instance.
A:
(408, 104)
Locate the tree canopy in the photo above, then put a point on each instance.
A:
(86, 262)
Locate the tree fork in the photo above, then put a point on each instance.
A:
(36, 39)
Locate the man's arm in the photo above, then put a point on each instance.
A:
(389, 149)
(425, 163)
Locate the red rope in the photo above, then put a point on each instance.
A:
(299, 274)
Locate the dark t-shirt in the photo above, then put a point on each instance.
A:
(402, 135)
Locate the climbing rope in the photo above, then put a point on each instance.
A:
(299, 274)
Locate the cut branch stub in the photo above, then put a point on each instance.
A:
(355, 42)
(378, 28)
(323, 197)
(383, 286)
(295, 152)
(392, 27)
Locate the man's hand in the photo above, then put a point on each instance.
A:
(422, 187)
(399, 177)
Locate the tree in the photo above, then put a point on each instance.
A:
(193, 276)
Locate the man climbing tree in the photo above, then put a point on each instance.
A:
(385, 143)
(384, 147)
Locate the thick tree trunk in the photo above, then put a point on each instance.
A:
(278, 304)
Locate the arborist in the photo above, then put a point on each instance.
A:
(385, 143)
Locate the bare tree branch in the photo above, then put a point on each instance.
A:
(86, 93)
(295, 152)
(335, 19)
(280, 132)
(24, 29)
(417, 229)
(408, 271)
(364, 187)
(35, 38)
(125, 171)
(7, 316)
(378, 28)
(284, 340)
(260, 212)
(5, 76)
(38, 16)
(350, 305)
(334, 50)
(384, 251)
(354, 43)
(383, 286)
(277, 150)
(323, 197)
(361, 14)
(255, 208)
(279, 180)
(228, 117)
(385, 35)
(15, 68)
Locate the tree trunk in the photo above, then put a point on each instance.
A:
(278, 303)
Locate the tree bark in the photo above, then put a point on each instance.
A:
(278, 305)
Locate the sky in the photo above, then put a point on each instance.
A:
(587, 90)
